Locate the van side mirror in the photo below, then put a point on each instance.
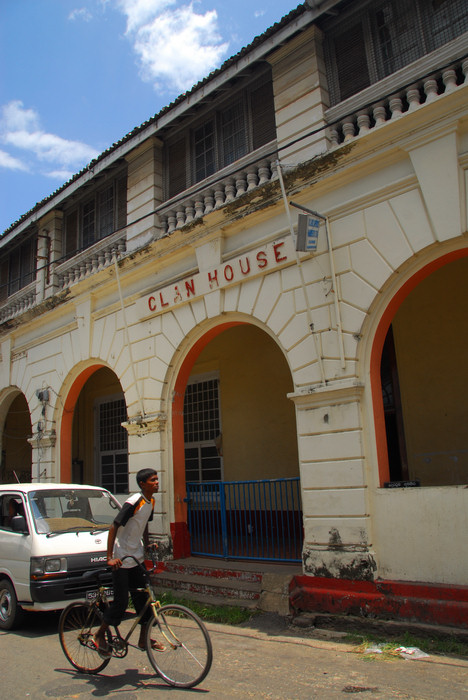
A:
(18, 524)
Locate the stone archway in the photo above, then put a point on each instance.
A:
(16, 456)
(93, 442)
(424, 299)
(258, 438)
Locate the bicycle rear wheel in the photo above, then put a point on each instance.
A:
(187, 654)
(77, 626)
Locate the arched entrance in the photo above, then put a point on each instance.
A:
(420, 378)
(16, 459)
(235, 448)
(94, 447)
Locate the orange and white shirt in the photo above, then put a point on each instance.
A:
(131, 521)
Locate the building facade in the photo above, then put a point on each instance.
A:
(156, 310)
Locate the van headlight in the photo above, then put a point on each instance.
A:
(44, 566)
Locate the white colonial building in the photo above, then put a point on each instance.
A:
(299, 405)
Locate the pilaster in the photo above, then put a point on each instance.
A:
(43, 456)
(49, 251)
(301, 95)
(144, 192)
(337, 540)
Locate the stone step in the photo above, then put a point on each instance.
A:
(219, 583)
(229, 590)
(213, 571)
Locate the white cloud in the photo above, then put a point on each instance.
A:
(80, 13)
(259, 13)
(176, 46)
(16, 117)
(20, 128)
(140, 12)
(62, 175)
(10, 163)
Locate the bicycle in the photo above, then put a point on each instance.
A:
(186, 655)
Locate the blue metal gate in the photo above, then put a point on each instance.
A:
(246, 519)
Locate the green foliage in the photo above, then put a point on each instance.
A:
(225, 614)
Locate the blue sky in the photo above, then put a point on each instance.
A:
(77, 75)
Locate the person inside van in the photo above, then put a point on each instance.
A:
(13, 509)
(128, 535)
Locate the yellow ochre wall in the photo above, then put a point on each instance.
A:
(258, 420)
(431, 342)
(15, 446)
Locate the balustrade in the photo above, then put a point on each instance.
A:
(216, 195)
(19, 302)
(395, 106)
(90, 261)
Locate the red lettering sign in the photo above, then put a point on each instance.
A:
(161, 299)
(278, 257)
(262, 259)
(247, 264)
(228, 273)
(213, 278)
(152, 304)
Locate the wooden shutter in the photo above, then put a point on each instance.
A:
(70, 240)
(351, 61)
(176, 167)
(122, 202)
(263, 115)
(4, 279)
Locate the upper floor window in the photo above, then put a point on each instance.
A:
(376, 38)
(96, 216)
(222, 136)
(18, 268)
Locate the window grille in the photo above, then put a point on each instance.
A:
(18, 268)
(371, 40)
(202, 430)
(96, 217)
(233, 134)
(224, 135)
(113, 445)
(204, 150)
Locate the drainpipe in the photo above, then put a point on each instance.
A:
(127, 338)
(301, 273)
(333, 274)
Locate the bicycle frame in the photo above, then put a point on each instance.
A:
(151, 602)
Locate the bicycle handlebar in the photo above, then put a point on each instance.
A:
(139, 563)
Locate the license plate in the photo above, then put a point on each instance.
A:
(92, 595)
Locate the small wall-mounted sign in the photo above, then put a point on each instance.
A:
(307, 232)
(401, 484)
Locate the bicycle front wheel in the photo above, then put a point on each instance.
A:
(185, 652)
(78, 624)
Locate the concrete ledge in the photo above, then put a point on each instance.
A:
(397, 600)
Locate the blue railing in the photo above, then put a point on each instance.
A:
(246, 519)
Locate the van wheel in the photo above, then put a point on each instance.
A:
(10, 611)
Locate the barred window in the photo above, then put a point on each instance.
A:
(224, 135)
(18, 268)
(371, 40)
(202, 430)
(112, 440)
(96, 217)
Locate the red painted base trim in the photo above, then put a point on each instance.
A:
(399, 600)
(180, 540)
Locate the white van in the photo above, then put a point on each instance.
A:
(50, 535)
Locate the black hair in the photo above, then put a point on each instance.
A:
(145, 474)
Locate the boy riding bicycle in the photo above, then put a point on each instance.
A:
(128, 536)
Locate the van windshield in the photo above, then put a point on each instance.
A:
(72, 510)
